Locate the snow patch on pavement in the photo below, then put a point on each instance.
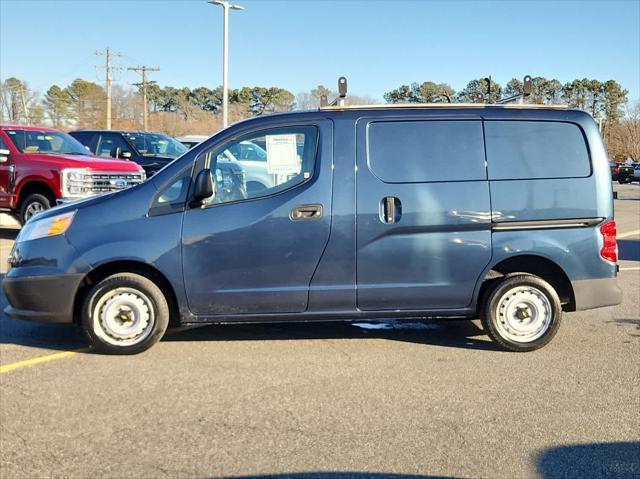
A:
(396, 325)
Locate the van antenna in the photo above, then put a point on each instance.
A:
(527, 88)
(342, 94)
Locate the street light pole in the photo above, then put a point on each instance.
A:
(225, 56)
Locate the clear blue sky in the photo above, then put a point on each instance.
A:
(300, 44)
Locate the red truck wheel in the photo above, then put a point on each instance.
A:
(32, 205)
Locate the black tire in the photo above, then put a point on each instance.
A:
(34, 201)
(518, 283)
(137, 290)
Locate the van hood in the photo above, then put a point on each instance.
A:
(85, 161)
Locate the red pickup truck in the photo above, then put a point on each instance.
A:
(41, 167)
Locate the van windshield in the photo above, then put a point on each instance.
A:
(49, 142)
(156, 144)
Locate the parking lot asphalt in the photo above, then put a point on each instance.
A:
(426, 398)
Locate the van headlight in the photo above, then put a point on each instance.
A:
(51, 226)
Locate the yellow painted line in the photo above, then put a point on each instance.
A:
(628, 234)
(65, 354)
(42, 359)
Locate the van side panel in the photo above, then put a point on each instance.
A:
(529, 200)
(570, 192)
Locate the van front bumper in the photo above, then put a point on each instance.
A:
(46, 299)
(596, 293)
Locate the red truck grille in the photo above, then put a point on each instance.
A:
(82, 183)
(101, 183)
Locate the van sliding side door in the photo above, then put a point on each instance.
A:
(423, 212)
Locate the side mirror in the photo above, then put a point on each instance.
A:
(118, 153)
(204, 186)
(4, 156)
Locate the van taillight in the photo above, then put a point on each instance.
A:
(609, 249)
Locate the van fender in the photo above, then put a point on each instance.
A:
(573, 250)
(167, 263)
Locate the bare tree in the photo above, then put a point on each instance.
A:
(624, 137)
(18, 103)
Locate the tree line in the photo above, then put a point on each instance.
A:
(177, 111)
(603, 99)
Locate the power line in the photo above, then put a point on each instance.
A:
(143, 71)
(108, 78)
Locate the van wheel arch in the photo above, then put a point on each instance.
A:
(126, 266)
(529, 264)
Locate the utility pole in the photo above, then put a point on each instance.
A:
(108, 79)
(24, 104)
(225, 57)
(143, 71)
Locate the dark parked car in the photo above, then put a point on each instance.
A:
(369, 221)
(622, 173)
(614, 170)
(150, 150)
(153, 151)
(626, 173)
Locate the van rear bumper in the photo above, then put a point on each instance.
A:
(47, 299)
(596, 293)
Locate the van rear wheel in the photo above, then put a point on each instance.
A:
(125, 314)
(522, 312)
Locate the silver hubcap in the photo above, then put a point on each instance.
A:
(123, 317)
(524, 314)
(32, 209)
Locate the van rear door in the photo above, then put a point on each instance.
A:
(423, 212)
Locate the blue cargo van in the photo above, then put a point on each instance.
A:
(498, 212)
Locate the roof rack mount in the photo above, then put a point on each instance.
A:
(527, 87)
(342, 94)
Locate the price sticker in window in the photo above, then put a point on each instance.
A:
(282, 154)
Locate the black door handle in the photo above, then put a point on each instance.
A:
(306, 212)
(390, 209)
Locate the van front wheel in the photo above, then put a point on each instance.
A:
(125, 314)
(522, 313)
